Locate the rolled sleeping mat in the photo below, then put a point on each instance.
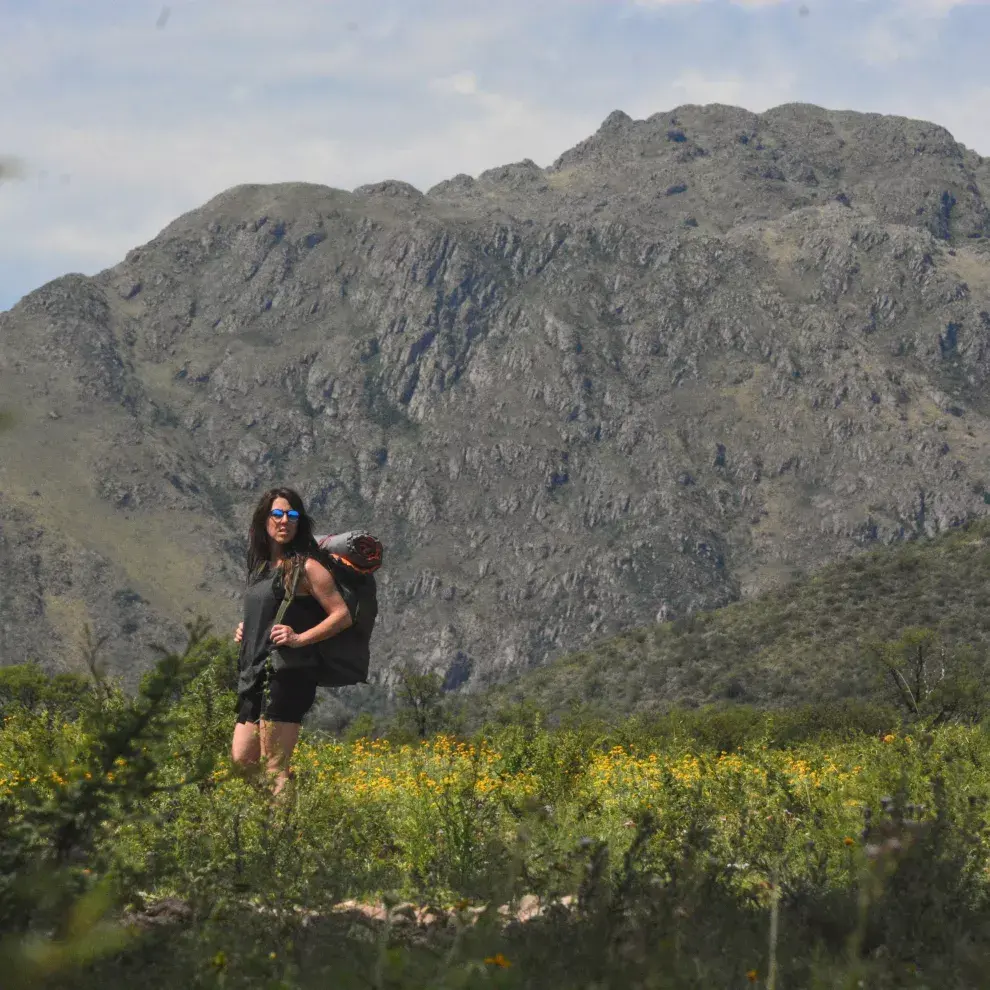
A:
(356, 549)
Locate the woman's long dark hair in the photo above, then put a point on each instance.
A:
(259, 549)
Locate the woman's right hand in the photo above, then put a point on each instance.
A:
(239, 632)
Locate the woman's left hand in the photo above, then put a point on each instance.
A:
(284, 636)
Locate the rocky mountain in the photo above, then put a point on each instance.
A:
(697, 355)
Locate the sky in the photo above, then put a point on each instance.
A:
(116, 116)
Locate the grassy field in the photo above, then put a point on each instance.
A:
(639, 854)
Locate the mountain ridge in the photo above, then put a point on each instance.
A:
(570, 400)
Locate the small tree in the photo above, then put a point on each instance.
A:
(28, 687)
(92, 646)
(361, 727)
(422, 697)
(931, 680)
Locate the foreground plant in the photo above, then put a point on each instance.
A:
(520, 858)
(79, 779)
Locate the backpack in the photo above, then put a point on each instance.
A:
(352, 558)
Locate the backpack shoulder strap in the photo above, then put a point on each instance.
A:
(297, 568)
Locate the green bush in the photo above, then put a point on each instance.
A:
(27, 687)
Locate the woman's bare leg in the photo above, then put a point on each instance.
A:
(278, 740)
(245, 749)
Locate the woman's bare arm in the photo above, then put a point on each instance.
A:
(318, 581)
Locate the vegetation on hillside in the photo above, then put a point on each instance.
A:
(818, 639)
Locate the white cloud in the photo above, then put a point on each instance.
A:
(734, 90)
(885, 42)
(938, 7)
(464, 83)
(740, 3)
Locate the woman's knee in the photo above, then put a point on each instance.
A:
(278, 741)
(245, 748)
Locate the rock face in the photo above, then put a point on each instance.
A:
(697, 354)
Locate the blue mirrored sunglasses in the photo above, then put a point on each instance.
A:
(278, 513)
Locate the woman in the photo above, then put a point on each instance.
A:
(273, 698)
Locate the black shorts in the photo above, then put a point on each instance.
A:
(289, 696)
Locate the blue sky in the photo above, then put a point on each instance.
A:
(118, 115)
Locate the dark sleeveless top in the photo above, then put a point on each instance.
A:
(261, 601)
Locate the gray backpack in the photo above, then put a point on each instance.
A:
(352, 558)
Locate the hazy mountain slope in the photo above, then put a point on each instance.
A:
(807, 642)
(566, 408)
